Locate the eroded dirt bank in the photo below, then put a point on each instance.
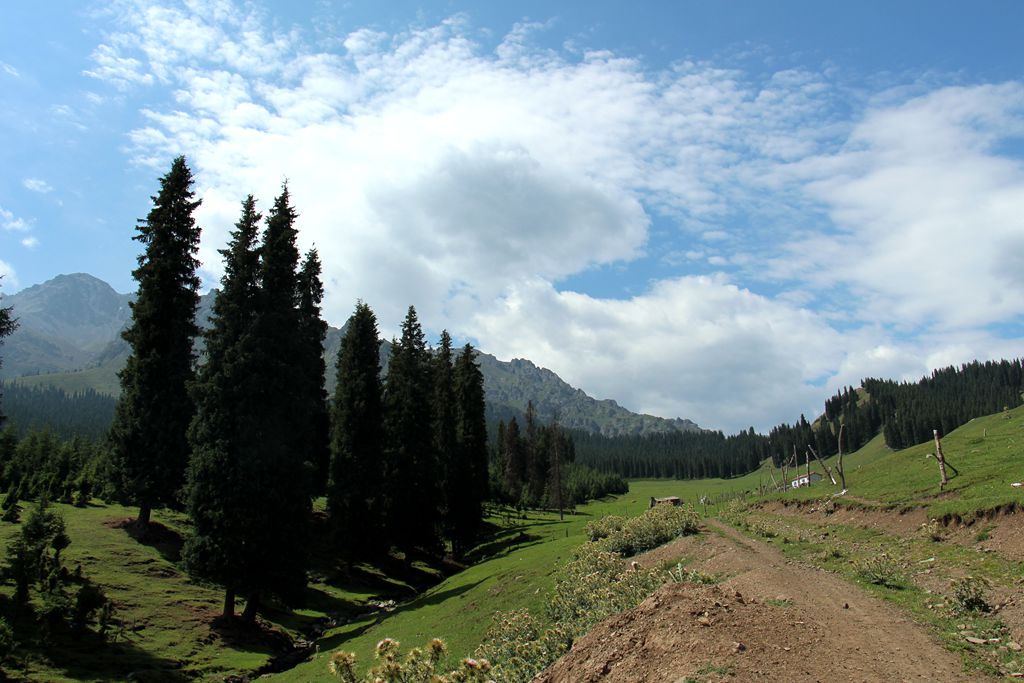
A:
(772, 620)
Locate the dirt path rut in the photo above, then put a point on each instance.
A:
(773, 619)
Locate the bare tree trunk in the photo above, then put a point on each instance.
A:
(144, 513)
(807, 464)
(839, 462)
(775, 485)
(943, 479)
(823, 465)
(252, 605)
(229, 603)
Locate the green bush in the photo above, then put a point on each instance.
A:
(969, 595)
(657, 526)
(679, 574)
(604, 527)
(881, 570)
(593, 586)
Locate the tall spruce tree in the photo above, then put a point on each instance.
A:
(315, 438)
(443, 430)
(411, 475)
(355, 487)
(277, 477)
(513, 462)
(149, 447)
(7, 325)
(225, 543)
(468, 477)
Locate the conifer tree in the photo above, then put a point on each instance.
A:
(443, 429)
(148, 435)
(355, 487)
(411, 465)
(224, 542)
(7, 325)
(468, 477)
(315, 437)
(513, 461)
(276, 473)
(536, 458)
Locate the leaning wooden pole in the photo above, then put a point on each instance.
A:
(839, 462)
(943, 479)
(823, 465)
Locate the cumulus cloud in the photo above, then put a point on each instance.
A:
(12, 223)
(928, 213)
(428, 170)
(667, 351)
(37, 185)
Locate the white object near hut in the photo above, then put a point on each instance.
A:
(805, 480)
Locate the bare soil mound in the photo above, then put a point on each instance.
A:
(771, 620)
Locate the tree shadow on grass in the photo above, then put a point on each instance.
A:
(165, 540)
(335, 641)
(87, 656)
(502, 545)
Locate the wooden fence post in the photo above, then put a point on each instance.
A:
(943, 479)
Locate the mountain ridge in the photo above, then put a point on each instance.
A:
(69, 336)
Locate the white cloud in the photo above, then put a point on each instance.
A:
(928, 212)
(431, 172)
(121, 72)
(11, 222)
(30, 242)
(8, 278)
(37, 185)
(9, 70)
(667, 351)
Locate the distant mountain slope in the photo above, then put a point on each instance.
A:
(63, 324)
(511, 385)
(69, 338)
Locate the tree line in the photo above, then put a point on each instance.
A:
(86, 414)
(904, 412)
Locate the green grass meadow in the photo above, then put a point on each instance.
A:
(165, 632)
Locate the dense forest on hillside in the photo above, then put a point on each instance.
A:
(679, 455)
(906, 412)
(34, 408)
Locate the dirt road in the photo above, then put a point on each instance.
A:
(772, 620)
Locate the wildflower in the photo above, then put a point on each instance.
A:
(342, 664)
(387, 647)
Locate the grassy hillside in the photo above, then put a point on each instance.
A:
(167, 633)
(988, 452)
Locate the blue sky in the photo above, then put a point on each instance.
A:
(715, 210)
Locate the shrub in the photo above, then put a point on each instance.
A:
(593, 586)
(520, 647)
(932, 530)
(969, 595)
(680, 574)
(881, 570)
(655, 527)
(419, 665)
(604, 527)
